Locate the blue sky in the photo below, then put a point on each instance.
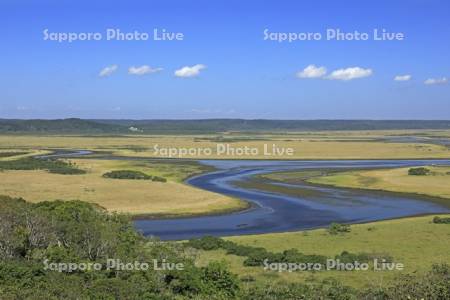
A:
(238, 73)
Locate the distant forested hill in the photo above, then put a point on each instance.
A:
(58, 126)
(220, 125)
(207, 125)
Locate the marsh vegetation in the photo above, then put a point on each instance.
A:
(130, 174)
(55, 166)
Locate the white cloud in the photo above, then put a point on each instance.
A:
(107, 71)
(312, 71)
(442, 80)
(350, 73)
(402, 77)
(189, 71)
(142, 70)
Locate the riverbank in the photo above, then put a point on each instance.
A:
(435, 185)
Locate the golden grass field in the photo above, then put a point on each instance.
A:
(437, 183)
(317, 145)
(137, 197)
(174, 197)
(415, 242)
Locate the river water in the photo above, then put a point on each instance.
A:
(272, 212)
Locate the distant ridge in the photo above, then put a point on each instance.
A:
(94, 126)
(71, 125)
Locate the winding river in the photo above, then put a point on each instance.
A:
(278, 212)
(273, 212)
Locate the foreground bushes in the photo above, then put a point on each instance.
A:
(75, 231)
(78, 232)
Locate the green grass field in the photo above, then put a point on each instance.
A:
(416, 242)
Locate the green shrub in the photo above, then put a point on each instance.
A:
(218, 279)
(127, 174)
(439, 220)
(255, 256)
(362, 257)
(336, 228)
(130, 174)
(159, 179)
(327, 289)
(52, 165)
(419, 171)
(435, 285)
